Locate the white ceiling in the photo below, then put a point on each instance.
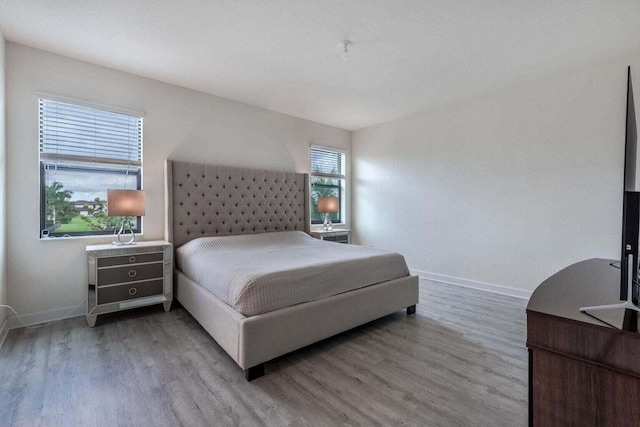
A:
(406, 56)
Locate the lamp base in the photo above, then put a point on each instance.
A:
(121, 233)
(328, 226)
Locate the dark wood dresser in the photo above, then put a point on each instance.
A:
(582, 371)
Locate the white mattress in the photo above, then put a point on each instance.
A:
(258, 273)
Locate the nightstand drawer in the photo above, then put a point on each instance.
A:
(342, 235)
(126, 292)
(343, 238)
(130, 273)
(129, 259)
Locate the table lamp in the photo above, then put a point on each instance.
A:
(125, 203)
(328, 205)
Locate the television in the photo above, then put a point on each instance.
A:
(630, 230)
(630, 204)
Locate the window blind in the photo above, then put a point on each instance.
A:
(73, 132)
(327, 163)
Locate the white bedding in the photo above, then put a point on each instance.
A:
(258, 273)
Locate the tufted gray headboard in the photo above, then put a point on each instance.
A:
(205, 200)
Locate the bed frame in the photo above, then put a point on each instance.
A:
(203, 200)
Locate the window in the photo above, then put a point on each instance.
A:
(327, 180)
(83, 152)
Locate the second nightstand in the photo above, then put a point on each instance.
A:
(342, 235)
(123, 277)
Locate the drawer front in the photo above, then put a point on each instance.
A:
(340, 238)
(132, 291)
(130, 273)
(130, 259)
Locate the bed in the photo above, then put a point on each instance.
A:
(207, 205)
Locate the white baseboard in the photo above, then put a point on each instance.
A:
(46, 316)
(489, 287)
(4, 330)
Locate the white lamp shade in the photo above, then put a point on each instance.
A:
(328, 204)
(125, 202)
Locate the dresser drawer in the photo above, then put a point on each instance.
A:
(338, 236)
(130, 273)
(130, 259)
(342, 238)
(126, 292)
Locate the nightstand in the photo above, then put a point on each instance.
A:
(342, 235)
(124, 277)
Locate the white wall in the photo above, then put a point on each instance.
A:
(49, 276)
(3, 196)
(504, 189)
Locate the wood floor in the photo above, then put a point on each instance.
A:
(459, 361)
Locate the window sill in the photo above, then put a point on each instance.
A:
(99, 238)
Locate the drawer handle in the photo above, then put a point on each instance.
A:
(133, 291)
(132, 259)
(132, 273)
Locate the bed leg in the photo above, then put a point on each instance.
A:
(254, 372)
(411, 310)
